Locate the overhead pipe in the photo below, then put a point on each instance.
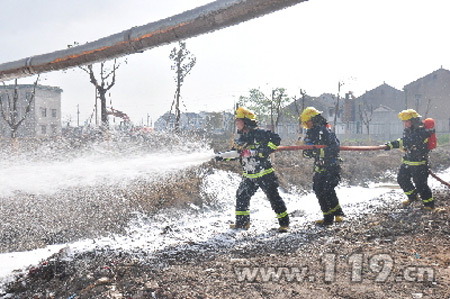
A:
(213, 16)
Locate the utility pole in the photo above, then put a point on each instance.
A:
(336, 108)
(95, 105)
(78, 115)
(272, 126)
(301, 129)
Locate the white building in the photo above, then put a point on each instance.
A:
(43, 119)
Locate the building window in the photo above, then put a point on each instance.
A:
(43, 112)
(54, 129)
(53, 112)
(44, 129)
(330, 111)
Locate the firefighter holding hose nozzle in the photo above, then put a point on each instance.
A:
(253, 146)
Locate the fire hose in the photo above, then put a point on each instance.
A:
(343, 147)
(438, 178)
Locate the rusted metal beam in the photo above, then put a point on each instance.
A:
(203, 19)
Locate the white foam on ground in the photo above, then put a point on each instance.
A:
(207, 224)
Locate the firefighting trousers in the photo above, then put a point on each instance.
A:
(413, 179)
(324, 183)
(248, 187)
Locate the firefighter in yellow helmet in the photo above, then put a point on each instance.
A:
(413, 173)
(327, 168)
(255, 145)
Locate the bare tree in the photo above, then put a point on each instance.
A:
(299, 108)
(103, 85)
(11, 107)
(336, 108)
(365, 113)
(303, 94)
(279, 101)
(348, 111)
(182, 69)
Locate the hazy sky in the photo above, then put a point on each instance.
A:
(311, 46)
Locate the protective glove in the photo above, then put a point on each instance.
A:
(308, 153)
(248, 153)
(388, 146)
(319, 163)
(218, 158)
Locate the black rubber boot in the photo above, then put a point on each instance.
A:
(326, 221)
(242, 222)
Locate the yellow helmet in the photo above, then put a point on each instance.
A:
(408, 114)
(241, 112)
(308, 113)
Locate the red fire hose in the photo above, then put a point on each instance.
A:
(342, 147)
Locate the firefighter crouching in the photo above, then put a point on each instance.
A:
(413, 174)
(327, 168)
(255, 145)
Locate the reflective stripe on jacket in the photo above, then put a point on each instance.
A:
(263, 143)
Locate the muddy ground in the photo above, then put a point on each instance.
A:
(393, 252)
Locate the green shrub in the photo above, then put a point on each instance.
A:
(443, 139)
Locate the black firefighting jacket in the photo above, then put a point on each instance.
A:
(415, 145)
(326, 156)
(262, 143)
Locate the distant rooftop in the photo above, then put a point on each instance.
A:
(31, 86)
